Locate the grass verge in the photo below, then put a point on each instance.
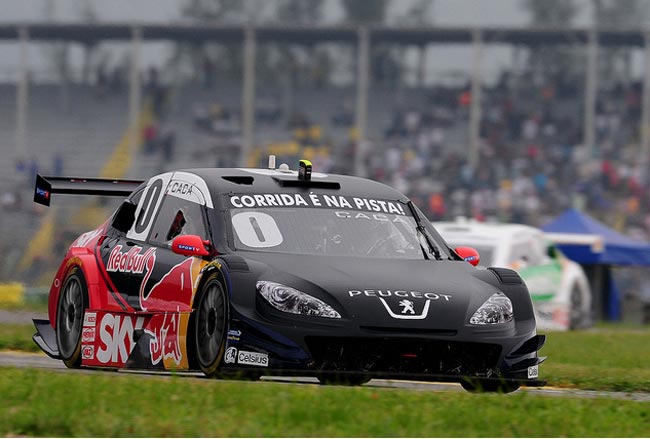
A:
(17, 337)
(44, 403)
(607, 357)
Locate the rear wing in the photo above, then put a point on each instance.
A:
(46, 186)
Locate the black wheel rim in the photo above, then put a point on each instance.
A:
(70, 317)
(210, 325)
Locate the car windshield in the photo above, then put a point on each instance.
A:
(319, 231)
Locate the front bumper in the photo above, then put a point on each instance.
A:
(341, 348)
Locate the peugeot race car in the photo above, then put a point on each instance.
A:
(250, 272)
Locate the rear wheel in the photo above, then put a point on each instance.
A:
(492, 386)
(73, 301)
(210, 325)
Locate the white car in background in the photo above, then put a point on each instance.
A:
(558, 286)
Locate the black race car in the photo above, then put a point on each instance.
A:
(277, 272)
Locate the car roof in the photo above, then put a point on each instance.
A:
(255, 181)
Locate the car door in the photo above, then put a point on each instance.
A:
(169, 285)
(121, 255)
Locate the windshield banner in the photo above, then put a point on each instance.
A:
(316, 200)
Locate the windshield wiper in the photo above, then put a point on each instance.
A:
(433, 249)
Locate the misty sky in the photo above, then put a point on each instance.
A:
(446, 12)
(442, 59)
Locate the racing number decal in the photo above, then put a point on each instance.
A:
(257, 229)
(148, 206)
(151, 195)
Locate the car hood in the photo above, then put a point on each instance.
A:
(380, 293)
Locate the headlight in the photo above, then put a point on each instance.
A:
(290, 300)
(497, 309)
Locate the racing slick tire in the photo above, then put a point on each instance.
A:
(489, 386)
(210, 325)
(73, 302)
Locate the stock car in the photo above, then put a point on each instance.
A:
(250, 272)
(558, 286)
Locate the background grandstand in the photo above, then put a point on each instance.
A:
(562, 124)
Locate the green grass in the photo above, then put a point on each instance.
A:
(45, 403)
(17, 337)
(608, 357)
(603, 358)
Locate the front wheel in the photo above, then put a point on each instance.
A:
(73, 301)
(491, 386)
(210, 325)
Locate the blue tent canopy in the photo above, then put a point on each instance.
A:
(618, 249)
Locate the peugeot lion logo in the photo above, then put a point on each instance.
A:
(408, 310)
(407, 306)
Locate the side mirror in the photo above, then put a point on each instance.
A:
(469, 254)
(190, 245)
(124, 217)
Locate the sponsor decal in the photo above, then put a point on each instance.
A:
(131, 261)
(90, 319)
(116, 337)
(533, 371)
(381, 217)
(230, 355)
(187, 247)
(87, 352)
(164, 343)
(253, 359)
(180, 188)
(400, 293)
(176, 286)
(88, 335)
(234, 334)
(42, 193)
(317, 200)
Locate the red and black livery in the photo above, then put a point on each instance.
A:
(267, 272)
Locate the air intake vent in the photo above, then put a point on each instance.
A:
(308, 183)
(506, 276)
(239, 179)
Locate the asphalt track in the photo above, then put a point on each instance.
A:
(42, 361)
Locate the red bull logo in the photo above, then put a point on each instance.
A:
(173, 291)
(165, 344)
(131, 261)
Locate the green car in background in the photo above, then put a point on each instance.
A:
(558, 286)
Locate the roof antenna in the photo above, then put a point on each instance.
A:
(304, 172)
(271, 161)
